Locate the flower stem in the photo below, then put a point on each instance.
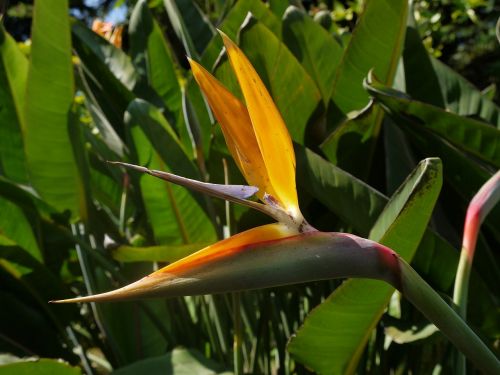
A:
(237, 336)
(418, 292)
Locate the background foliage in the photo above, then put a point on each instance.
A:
(70, 224)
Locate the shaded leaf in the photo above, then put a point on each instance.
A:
(317, 51)
(13, 74)
(382, 24)
(150, 53)
(172, 210)
(431, 81)
(39, 367)
(15, 229)
(191, 26)
(49, 98)
(475, 137)
(351, 145)
(177, 362)
(338, 190)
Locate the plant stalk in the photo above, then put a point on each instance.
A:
(420, 294)
(237, 336)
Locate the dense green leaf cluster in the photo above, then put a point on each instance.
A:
(363, 108)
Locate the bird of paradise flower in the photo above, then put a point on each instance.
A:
(289, 251)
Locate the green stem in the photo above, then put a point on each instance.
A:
(418, 292)
(102, 261)
(237, 337)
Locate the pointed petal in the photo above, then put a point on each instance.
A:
(185, 269)
(271, 132)
(234, 120)
(238, 192)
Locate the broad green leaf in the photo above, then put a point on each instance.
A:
(13, 74)
(335, 333)
(430, 81)
(166, 253)
(317, 51)
(191, 26)
(110, 79)
(177, 362)
(232, 23)
(462, 97)
(376, 43)
(49, 99)
(338, 190)
(475, 137)
(38, 281)
(109, 75)
(176, 215)
(350, 146)
(382, 24)
(15, 228)
(279, 7)
(293, 91)
(150, 53)
(235, 18)
(20, 317)
(421, 79)
(39, 367)
(100, 56)
(32, 205)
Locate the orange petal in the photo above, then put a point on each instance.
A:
(236, 126)
(236, 243)
(270, 130)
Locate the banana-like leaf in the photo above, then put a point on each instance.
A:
(339, 191)
(232, 24)
(430, 81)
(40, 366)
(317, 51)
(49, 100)
(13, 74)
(476, 137)
(360, 131)
(375, 44)
(421, 80)
(150, 54)
(15, 229)
(347, 318)
(192, 27)
(172, 210)
(352, 143)
(179, 361)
